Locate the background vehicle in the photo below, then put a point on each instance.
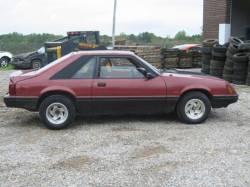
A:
(188, 47)
(29, 60)
(74, 41)
(114, 82)
(5, 58)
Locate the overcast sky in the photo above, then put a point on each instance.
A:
(162, 17)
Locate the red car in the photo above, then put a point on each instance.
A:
(114, 82)
(188, 47)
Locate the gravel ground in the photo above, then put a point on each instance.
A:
(126, 151)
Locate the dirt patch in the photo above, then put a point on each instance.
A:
(150, 151)
(77, 162)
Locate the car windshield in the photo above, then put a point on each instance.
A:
(149, 65)
(41, 50)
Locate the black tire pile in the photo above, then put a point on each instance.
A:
(207, 54)
(235, 69)
(233, 48)
(240, 65)
(217, 62)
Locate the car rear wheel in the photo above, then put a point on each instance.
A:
(193, 108)
(4, 62)
(57, 112)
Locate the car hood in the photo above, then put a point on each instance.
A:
(189, 74)
(25, 55)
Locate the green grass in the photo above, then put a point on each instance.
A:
(10, 67)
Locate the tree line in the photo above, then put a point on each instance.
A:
(19, 43)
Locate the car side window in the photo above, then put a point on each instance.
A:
(82, 68)
(86, 71)
(112, 67)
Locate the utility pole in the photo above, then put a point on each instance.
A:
(114, 20)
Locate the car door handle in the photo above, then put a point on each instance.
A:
(101, 84)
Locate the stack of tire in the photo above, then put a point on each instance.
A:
(233, 48)
(218, 60)
(240, 68)
(207, 54)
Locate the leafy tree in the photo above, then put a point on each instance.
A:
(19, 43)
(181, 35)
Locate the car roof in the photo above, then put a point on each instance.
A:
(104, 52)
(186, 46)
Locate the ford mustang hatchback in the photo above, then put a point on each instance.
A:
(111, 83)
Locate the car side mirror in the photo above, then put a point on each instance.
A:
(142, 71)
(149, 75)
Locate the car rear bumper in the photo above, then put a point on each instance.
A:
(223, 101)
(28, 103)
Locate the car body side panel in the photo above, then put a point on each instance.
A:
(129, 96)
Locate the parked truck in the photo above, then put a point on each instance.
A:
(74, 41)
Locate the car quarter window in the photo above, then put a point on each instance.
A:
(82, 68)
(118, 67)
(87, 70)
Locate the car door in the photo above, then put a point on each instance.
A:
(120, 88)
(77, 78)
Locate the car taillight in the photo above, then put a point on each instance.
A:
(12, 88)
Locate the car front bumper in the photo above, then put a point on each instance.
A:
(20, 63)
(223, 101)
(28, 103)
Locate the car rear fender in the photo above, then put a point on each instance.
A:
(57, 89)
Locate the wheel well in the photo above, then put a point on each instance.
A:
(36, 59)
(207, 93)
(6, 57)
(47, 94)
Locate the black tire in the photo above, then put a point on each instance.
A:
(240, 67)
(210, 42)
(205, 68)
(219, 48)
(241, 57)
(219, 56)
(206, 50)
(236, 41)
(36, 64)
(185, 99)
(229, 54)
(217, 64)
(229, 62)
(233, 48)
(4, 62)
(48, 101)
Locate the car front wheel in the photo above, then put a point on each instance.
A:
(4, 62)
(36, 64)
(193, 108)
(57, 112)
